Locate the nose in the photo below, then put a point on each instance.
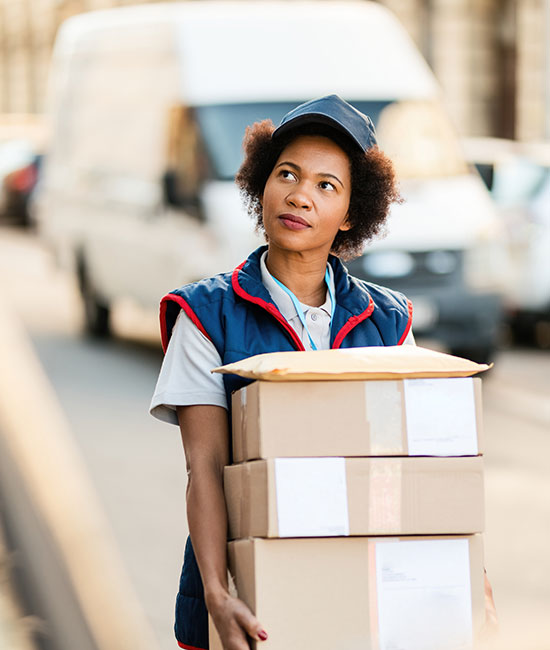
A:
(299, 197)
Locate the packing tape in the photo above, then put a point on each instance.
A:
(385, 478)
(384, 415)
(245, 505)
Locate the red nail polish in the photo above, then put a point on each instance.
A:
(263, 635)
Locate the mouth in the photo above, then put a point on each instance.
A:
(294, 222)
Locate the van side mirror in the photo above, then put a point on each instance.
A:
(170, 193)
(173, 196)
(487, 173)
(181, 180)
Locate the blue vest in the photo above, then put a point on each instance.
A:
(236, 312)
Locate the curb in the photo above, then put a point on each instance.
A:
(44, 475)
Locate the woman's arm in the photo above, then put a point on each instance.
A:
(205, 437)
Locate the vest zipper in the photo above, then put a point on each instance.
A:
(351, 323)
(269, 307)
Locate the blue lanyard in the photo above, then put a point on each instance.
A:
(298, 308)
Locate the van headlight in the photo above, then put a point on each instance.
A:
(441, 262)
(388, 264)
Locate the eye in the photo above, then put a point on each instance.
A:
(326, 185)
(287, 174)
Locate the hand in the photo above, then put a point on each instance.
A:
(489, 630)
(235, 622)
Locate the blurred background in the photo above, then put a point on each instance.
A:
(120, 133)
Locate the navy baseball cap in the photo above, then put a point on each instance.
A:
(335, 112)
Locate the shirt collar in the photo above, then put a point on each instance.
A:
(282, 299)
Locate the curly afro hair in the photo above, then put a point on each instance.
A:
(373, 181)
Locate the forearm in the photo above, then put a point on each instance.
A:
(207, 517)
(205, 438)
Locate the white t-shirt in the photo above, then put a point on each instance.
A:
(185, 378)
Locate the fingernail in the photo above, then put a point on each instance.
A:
(263, 635)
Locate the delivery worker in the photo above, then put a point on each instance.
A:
(319, 188)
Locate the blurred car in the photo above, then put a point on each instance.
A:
(23, 138)
(18, 173)
(148, 109)
(518, 176)
(16, 190)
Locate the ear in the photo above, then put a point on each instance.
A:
(345, 225)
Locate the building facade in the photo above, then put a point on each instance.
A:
(491, 57)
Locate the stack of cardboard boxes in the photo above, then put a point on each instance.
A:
(356, 503)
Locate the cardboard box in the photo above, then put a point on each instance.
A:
(404, 417)
(362, 593)
(317, 497)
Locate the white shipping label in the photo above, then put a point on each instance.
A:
(423, 594)
(312, 499)
(441, 417)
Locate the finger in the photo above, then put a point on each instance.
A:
(251, 624)
(240, 643)
(235, 637)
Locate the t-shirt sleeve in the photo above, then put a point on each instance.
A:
(185, 378)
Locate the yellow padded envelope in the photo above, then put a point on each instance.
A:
(391, 362)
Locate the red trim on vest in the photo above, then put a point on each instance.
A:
(351, 323)
(269, 307)
(189, 647)
(186, 308)
(409, 323)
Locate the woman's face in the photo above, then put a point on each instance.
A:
(306, 197)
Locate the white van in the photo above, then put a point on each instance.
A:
(149, 106)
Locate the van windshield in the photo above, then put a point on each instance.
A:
(416, 135)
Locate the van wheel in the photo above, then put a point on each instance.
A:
(542, 334)
(481, 354)
(523, 327)
(96, 313)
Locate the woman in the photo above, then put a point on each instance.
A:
(316, 185)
